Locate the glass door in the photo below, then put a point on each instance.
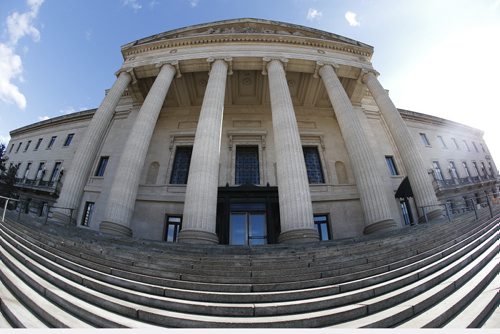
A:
(247, 224)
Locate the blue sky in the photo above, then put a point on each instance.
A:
(435, 57)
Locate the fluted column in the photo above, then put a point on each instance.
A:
(370, 184)
(124, 187)
(296, 212)
(200, 205)
(85, 154)
(412, 159)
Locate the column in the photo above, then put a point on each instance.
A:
(86, 152)
(200, 204)
(123, 193)
(410, 154)
(296, 212)
(370, 184)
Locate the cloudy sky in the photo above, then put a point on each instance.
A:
(435, 57)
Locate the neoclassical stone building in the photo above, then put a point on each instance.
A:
(248, 132)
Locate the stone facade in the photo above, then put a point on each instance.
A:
(270, 87)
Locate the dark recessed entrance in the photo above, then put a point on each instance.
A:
(248, 215)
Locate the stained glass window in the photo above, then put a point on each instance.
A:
(247, 165)
(180, 169)
(313, 165)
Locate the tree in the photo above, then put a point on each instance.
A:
(7, 175)
(3, 159)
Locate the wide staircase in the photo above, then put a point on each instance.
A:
(439, 274)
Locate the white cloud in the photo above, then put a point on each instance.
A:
(313, 14)
(193, 3)
(4, 139)
(153, 3)
(71, 109)
(134, 4)
(43, 118)
(351, 18)
(88, 34)
(18, 25)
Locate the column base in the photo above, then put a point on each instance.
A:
(434, 214)
(115, 229)
(383, 225)
(197, 237)
(62, 217)
(298, 236)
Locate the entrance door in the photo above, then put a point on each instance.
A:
(247, 224)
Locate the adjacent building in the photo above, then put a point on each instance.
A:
(248, 132)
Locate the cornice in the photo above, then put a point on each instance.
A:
(430, 119)
(245, 38)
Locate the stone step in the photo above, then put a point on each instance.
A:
(65, 297)
(432, 289)
(480, 310)
(49, 313)
(15, 312)
(441, 312)
(4, 323)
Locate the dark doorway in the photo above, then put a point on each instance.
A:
(248, 215)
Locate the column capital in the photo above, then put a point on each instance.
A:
(174, 64)
(364, 72)
(320, 65)
(227, 60)
(129, 71)
(267, 60)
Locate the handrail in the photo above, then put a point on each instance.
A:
(5, 206)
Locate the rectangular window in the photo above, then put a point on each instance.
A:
(474, 164)
(27, 171)
(491, 168)
(101, 167)
(68, 139)
(475, 147)
(437, 171)
(466, 145)
(313, 165)
(174, 225)
(51, 142)
(453, 170)
(442, 142)
(391, 165)
(41, 171)
(11, 148)
(483, 169)
(55, 172)
(456, 143)
(482, 147)
(425, 140)
(87, 213)
(466, 168)
(321, 223)
(27, 145)
(18, 147)
(180, 169)
(246, 167)
(38, 143)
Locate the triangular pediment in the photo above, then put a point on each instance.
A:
(246, 26)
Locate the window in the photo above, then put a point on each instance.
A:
(38, 143)
(437, 171)
(174, 225)
(453, 170)
(391, 164)
(483, 169)
(87, 213)
(466, 145)
(482, 147)
(313, 165)
(51, 142)
(442, 141)
(466, 168)
(27, 145)
(247, 165)
(180, 169)
(425, 140)
(55, 172)
(101, 167)
(321, 223)
(27, 171)
(68, 139)
(475, 147)
(41, 171)
(11, 148)
(474, 164)
(18, 147)
(456, 144)
(491, 168)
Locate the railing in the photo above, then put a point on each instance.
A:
(454, 182)
(459, 206)
(36, 184)
(30, 210)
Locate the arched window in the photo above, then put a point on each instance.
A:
(152, 173)
(341, 172)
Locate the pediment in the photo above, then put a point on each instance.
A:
(246, 26)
